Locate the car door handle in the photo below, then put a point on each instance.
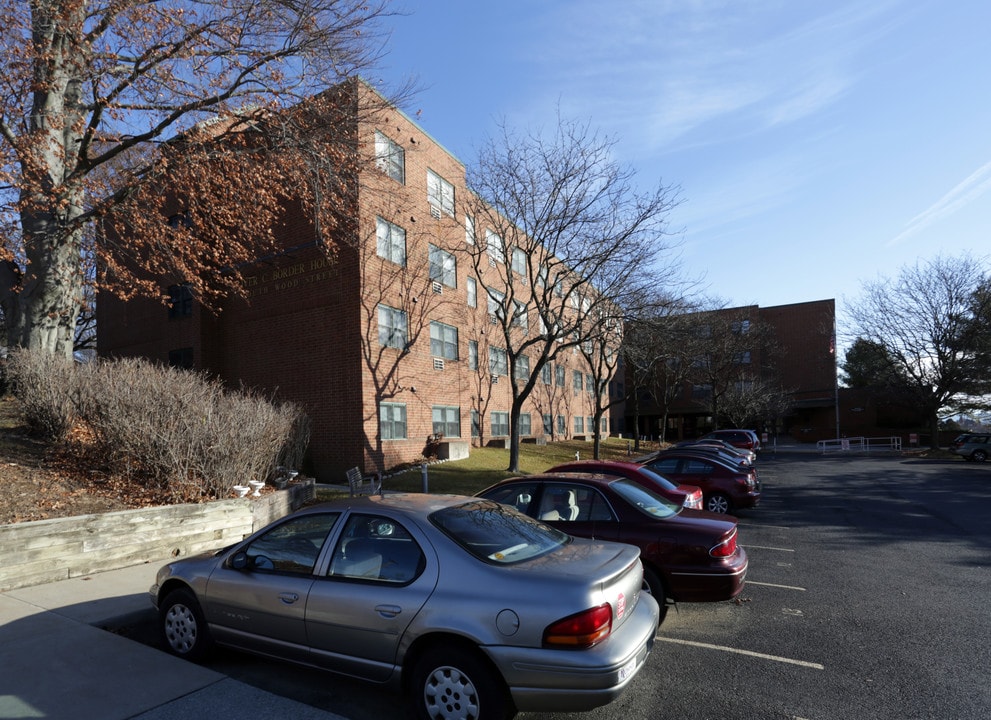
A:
(389, 611)
(288, 598)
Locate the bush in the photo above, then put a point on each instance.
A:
(182, 432)
(44, 384)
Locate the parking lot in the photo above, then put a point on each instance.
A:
(867, 597)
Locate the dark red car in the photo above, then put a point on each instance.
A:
(738, 438)
(726, 487)
(687, 555)
(688, 496)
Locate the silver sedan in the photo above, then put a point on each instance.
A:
(470, 607)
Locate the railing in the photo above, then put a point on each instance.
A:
(860, 444)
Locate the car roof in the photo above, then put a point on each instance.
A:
(710, 457)
(413, 503)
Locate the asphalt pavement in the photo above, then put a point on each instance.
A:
(60, 659)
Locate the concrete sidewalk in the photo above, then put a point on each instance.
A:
(57, 662)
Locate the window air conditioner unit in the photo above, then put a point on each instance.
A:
(435, 212)
(495, 379)
(438, 363)
(437, 287)
(494, 319)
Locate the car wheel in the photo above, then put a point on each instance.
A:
(979, 455)
(653, 584)
(717, 503)
(456, 684)
(183, 627)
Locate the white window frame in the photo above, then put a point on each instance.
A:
(390, 241)
(390, 157)
(443, 341)
(392, 417)
(443, 266)
(440, 193)
(393, 327)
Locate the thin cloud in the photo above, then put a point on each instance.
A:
(966, 192)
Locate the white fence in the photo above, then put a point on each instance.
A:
(860, 444)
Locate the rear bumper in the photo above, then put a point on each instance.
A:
(710, 584)
(545, 680)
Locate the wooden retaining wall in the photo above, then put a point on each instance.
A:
(43, 551)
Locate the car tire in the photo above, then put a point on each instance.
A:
(979, 455)
(454, 682)
(182, 625)
(653, 584)
(718, 503)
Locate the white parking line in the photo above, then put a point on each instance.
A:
(762, 527)
(783, 587)
(763, 547)
(749, 653)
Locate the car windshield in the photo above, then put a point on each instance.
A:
(497, 533)
(644, 500)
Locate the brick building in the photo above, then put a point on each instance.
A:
(385, 346)
(793, 349)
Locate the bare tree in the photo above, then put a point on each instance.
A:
(930, 324)
(562, 241)
(92, 95)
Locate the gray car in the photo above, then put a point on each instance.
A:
(470, 607)
(972, 446)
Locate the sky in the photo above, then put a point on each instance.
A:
(815, 144)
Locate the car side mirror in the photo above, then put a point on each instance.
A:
(240, 561)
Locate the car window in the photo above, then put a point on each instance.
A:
(698, 467)
(497, 533)
(660, 480)
(376, 548)
(559, 502)
(647, 502)
(292, 546)
(665, 465)
(518, 495)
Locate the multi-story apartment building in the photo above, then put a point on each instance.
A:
(785, 351)
(388, 343)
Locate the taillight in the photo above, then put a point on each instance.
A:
(694, 501)
(581, 630)
(724, 549)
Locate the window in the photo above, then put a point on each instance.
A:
(525, 424)
(469, 230)
(390, 158)
(373, 548)
(742, 358)
(576, 380)
(520, 318)
(181, 358)
(440, 193)
(473, 354)
(392, 419)
(476, 425)
(522, 367)
(548, 423)
(443, 267)
(446, 421)
(579, 424)
(472, 292)
(392, 327)
(495, 301)
(590, 384)
(293, 546)
(519, 262)
(500, 423)
(741, 327)
(495, 245)
(391, 241)
(561, 425)
(180, 301)
(443, 341)
(559, 375)
(498, 363)
(545, 374)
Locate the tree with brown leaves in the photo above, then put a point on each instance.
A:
(129, 113)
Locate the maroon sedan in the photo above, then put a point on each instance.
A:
(687, 495)
(726, 487)
(687, 555)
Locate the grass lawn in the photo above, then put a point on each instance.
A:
(487, 465)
